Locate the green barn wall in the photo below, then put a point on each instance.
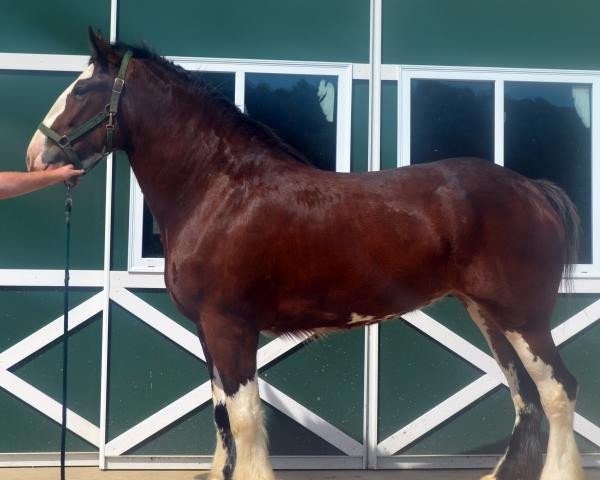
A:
(493, 33)
(59, 27)
(272, 29)
(146, 370)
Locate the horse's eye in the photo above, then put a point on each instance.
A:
(78, 92)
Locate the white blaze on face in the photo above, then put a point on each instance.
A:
(38, 142)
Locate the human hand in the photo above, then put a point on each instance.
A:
(66, 173)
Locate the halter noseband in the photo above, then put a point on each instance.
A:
(65, 142)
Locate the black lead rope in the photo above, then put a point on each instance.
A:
(63, 430)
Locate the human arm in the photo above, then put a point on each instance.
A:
(13, 184)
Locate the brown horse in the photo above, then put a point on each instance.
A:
(257, 240)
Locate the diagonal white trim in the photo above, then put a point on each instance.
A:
(438, 414)
(587, 429)
(50, 332)
(160, 420)
(48, 406)
(455, 342)
(275, 349)
(309, 419)
(578, 322)
(158, 320)
(487, 364)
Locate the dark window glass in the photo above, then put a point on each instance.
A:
(548, 135)
(451, 119)
(301, 109)
(151, 244)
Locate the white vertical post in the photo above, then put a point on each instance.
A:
(595, 107)
(375, 87)
(372, 332)
(240, 90)
(499, 120)
(106, 279)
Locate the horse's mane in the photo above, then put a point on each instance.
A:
(229, 112)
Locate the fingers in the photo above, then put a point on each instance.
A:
(69, 171)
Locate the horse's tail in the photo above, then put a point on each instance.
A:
(566, 210)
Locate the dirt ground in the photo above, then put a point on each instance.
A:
(93, 473)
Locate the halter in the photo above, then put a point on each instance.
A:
(65, 142)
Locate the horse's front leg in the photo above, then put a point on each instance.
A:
(230, 347)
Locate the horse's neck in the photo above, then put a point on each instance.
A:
(177, 146)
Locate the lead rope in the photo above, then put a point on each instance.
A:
(63, 430)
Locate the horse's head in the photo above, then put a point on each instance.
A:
(82, 126)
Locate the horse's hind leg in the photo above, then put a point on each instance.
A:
(558, 390)
(523, 458)
(230, 347)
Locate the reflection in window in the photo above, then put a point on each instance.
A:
(301, 109)
(548, 135)
(151, 244)
(451, 118)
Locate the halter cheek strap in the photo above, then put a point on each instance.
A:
(65, 142)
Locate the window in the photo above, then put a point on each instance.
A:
(538, 123)
(451, 118)
(307, 105)
(548, 135)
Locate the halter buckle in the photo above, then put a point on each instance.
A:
(110, 123)
(64, 142)
(118, 85)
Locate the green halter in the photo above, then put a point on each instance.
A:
(65, 142)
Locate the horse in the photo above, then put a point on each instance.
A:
(256, 239)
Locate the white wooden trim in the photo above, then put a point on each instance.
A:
(35, 459)
(431, 462)
(276, 348)
(493, 377)
(374, 160)
(575, 324)
(455, 343)
(437, 415)
(126, 279)
(371, 370)
(43, 62)
(160, 420)
(595, 177)
(158, 321)
(309, 419)
(50, 278)
(499, 118)
(50, 332)
(204, 462)
(240, 90)
(49, 407)
(371, 408)
(172, 412)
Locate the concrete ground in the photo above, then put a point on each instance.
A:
(92, 473)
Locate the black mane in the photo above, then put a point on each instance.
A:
(229, 112)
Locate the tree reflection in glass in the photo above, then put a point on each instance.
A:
(548, 135)
(300, 109)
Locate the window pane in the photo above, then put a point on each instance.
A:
(151, 244)
(301, 109)
(451, 119)
(548, 135)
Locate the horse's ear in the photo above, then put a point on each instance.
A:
(102, 51)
